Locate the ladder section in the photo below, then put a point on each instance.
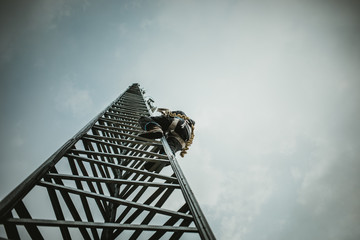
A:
(95, 186)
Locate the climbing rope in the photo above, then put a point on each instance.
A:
(167, 112)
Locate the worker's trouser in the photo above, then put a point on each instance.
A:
(148, 123)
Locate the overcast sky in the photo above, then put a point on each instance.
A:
(272, 85)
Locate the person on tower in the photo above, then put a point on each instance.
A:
(176, 126)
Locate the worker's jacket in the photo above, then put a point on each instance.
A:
(175, 127)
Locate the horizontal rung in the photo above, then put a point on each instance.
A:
(124, 106)
(131, 102)
(163, 157)
(145, 142)
(117, 166)
(122, 147)
(112, 180)
(120, 106)
(121, 123)
(118, 115)
(98, 127)
(78, 224)
(130, 111)
(140, 107)
(121, 128)
(116, 200)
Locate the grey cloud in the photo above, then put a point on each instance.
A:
(273, 87)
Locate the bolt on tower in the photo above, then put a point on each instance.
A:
(95, 186)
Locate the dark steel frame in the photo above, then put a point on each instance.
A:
(104, 170)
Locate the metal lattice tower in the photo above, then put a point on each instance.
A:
(95, 186)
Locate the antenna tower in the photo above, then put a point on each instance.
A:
(95, 186)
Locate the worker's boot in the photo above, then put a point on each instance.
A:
(153, 166)
(154, 132)
(149, 166)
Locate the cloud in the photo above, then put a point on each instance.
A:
(244, 192)
(274, 92)
(273, 88)
(25, 26)
(198, 164)
(329, 190)
(70, 98)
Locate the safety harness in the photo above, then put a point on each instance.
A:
(185, 125)
(176, 118)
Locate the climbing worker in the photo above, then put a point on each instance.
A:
(176, 126)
